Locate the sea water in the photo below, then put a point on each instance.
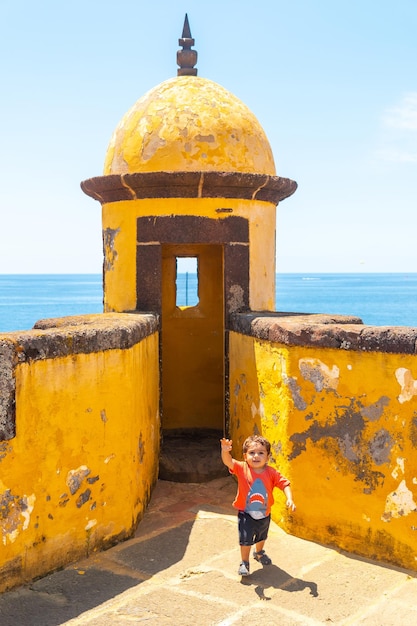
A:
(378, 299)
(27, 298)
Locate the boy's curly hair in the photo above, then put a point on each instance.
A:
(256, 439)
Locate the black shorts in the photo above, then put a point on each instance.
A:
(251, 530)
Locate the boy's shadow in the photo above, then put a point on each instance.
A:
(273, 576)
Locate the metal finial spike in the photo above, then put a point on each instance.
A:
(186, 58)
(186, 32)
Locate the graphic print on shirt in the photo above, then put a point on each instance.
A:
(257, 500)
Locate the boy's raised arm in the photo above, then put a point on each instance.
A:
(226, 448)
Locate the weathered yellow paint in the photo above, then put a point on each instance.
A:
(119, 246)
(119, 222)
(79, 473)
(193, 343)
(343, 427)
(262, 217)
(189, 123)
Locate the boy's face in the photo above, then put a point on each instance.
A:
(256, 456)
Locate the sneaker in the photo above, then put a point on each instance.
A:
(261, 557)
(244, 569)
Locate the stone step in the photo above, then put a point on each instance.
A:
(191, 456)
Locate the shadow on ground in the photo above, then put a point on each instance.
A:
(60, 597)
(66, 594)
(274, 577)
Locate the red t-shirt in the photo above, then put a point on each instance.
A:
(255, 491)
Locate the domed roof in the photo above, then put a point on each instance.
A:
(188, 123)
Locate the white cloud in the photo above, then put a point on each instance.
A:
(398, 141)
(404, 115)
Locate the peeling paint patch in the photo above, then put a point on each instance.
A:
(141, 449)
(407, 383)
(76, 477)
(294, 388)
(64, 499)
(344, 440)
(257, 410)
(398, 468)
(15, 512)
(277, 450)
(319, 373)
(83, 498)
(206, 138)
(91, 524)
(151, 144)
(399, 503)
(374, 411)
(413, 430)
(380, 447)
(109, 458)
(110, 253)
(30, 503)
(5, 449)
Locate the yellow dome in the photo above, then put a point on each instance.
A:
(189, 124)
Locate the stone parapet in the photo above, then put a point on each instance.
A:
(80, 438)
(325, 331)
(62, 337)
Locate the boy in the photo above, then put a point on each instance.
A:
(256, 482)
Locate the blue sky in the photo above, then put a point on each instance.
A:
(333, 83)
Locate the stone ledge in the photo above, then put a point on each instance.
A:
(81, 334)
(342, 332)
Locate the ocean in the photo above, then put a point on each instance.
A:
(26, 298)
(378, 299)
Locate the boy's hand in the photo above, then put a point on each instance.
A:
(226, 456)
(226, 444)
(290, 504)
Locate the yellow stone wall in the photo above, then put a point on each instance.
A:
(343, 428)
(119, 234)
(79, 473)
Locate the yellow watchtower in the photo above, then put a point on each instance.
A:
(189, 172)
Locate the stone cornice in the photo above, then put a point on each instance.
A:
(232, 185)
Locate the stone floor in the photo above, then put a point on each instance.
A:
(181, 568)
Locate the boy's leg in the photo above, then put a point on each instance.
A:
(259, 553)
(245, 538)
(260, 545)
(245, 553)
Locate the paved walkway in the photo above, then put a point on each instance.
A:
(181, 569)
